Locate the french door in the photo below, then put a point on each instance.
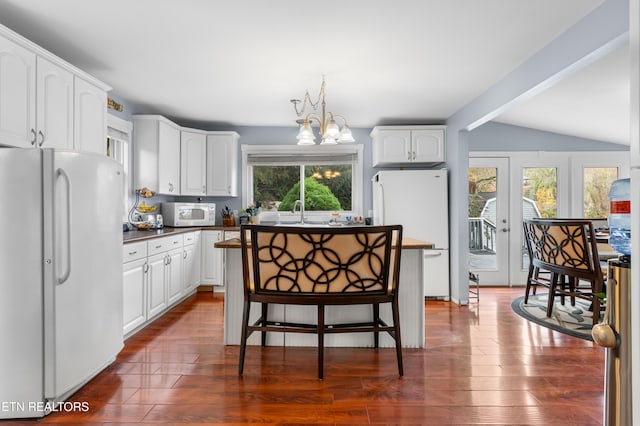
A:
(489, 225)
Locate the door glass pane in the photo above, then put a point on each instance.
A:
(597, 181)
(539, 192)
(539, 189)
(482, 217)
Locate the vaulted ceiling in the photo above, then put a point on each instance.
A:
(402, 62)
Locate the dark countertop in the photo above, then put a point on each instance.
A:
(148, 234)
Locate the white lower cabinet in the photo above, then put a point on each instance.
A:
(157, 284)
(212, 266)
(174, 277)
(157, 274)
(191, 262)
(134, 271)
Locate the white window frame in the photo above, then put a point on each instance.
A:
(121, 153)
(296, 151)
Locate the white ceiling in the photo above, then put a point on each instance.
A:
(386, 62)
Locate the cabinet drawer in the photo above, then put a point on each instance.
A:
(159, 245)
(134, 251)
(189, 238)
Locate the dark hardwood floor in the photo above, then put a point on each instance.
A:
(482, 365)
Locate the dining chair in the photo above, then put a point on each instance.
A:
(567, 248)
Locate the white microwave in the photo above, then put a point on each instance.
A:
(189, 214)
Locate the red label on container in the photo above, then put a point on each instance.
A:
(620, 207)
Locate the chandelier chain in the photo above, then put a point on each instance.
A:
(307, 101)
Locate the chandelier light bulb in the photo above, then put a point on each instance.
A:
(345, 135)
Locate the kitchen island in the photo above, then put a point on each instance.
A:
(411, 300)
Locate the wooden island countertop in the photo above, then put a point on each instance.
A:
(408, 243)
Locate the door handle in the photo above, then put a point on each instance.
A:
(436, 254)
(41, 137)
(506, 229)
(34, 136)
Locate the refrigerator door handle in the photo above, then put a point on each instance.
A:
(67, 272)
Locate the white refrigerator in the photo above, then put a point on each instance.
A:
(418, 200)
(60, 275)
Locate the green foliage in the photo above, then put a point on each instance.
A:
(316, 197)
(272, 183)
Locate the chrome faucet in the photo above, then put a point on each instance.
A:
(293, 210)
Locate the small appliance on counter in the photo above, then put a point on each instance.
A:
(178, 214)
(143, 215)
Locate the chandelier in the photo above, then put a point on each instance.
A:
(329, 130)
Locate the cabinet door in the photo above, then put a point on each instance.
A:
(54, 106)
(168, 159)
(90, 118)
(222, 165)
(392, 146)
(428, 146)
(157, 290)
(193, 178)
(17, 95)
(211, 258)
(134, 282)
(174, 275)
(191, 265)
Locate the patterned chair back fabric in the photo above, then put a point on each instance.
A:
(321, 262)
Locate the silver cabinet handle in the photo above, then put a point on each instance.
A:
(33, 136)
(170, 187)
(145, 269)
(414, 155)
(409, 155)
(158, 246)
(185, 254)
(41, 137)
(131, 253)
(204, 189)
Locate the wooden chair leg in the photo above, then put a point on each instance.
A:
(573, 283)
(396, 324)
(595, 310)
(320, 342)
(244, 335)
(552, 287)
(376, 320)
(265, 311)
(528, 288)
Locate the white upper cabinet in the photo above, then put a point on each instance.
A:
(193, 177)
(222, 164)
(173, 160)
(156, 144)
(47, 102)
(397, 145)
(17, 95)
(168, 159)
(54, 112)
(90, 117)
